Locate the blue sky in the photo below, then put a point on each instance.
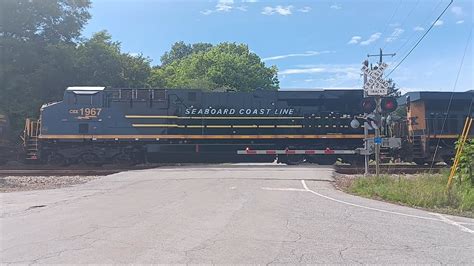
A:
(314, 44)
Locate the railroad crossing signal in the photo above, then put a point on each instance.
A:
(368, 105)
(388, 104)
(376, 84)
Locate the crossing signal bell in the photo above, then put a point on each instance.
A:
(368, 105)
(388, 104)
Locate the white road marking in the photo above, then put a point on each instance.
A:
(465, 223)
(364, 207)
(442, 218)
(449, 221)
(284, 189)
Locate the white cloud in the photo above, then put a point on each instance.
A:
(324, 75)
(207, 12)
(457, 10)
(355, 40)
(460, 22)
(281, 10)
(439, 23)
(292, 71)
(305, 9)
(335, 6)
(249, 1)
(418, 28)
(395, 34)
(305, 54)
(371, 39)
(348, 71)
(224, 6)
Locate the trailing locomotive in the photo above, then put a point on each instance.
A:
(97, 125)
(433, 124)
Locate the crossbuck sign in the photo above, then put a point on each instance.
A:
(375, 84)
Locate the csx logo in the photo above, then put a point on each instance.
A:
(73, 111)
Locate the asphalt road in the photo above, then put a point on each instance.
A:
(223, 214)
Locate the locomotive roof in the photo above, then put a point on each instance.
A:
(436, 95)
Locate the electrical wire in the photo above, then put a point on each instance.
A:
(452, 96)
(403, 21)
(422, 37)
(390, 21)
(414, 32)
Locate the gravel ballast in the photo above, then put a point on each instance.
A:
(25, 183)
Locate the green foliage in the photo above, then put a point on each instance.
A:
(464, 171)
(99, 61)
(427, 191)
(228, 65)
(37, 43)
(180, 50)
(44, 21)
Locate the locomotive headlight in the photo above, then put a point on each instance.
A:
(355, 123)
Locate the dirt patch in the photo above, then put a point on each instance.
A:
(25, 183)
(343, 182)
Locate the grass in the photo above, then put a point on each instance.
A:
(425, 191)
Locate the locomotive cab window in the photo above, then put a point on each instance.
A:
(91, 96)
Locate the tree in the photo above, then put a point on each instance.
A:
(48, 21)
(180, 50)
(36, 52)
(228, 65)
(100, 62)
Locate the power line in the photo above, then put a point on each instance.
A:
(452, 95)
(390, 20)
(414, 32)
(404, 20)
(422, 37)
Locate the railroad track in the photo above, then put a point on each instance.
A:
(96, 171)
(57, 172)
(39, 170)
(390, 169)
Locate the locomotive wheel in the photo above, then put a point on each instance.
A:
(90, 159)
(419, 161)
(57, 159)
(293, 159)
(448, 161)
(356, 161)
(123, 159)
(326, 160)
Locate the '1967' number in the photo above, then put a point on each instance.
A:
(90, 111)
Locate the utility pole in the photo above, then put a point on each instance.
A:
(378, 110)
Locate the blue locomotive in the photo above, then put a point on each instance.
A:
(96, 125)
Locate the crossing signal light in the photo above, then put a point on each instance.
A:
(368, 105)
(388, 104)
